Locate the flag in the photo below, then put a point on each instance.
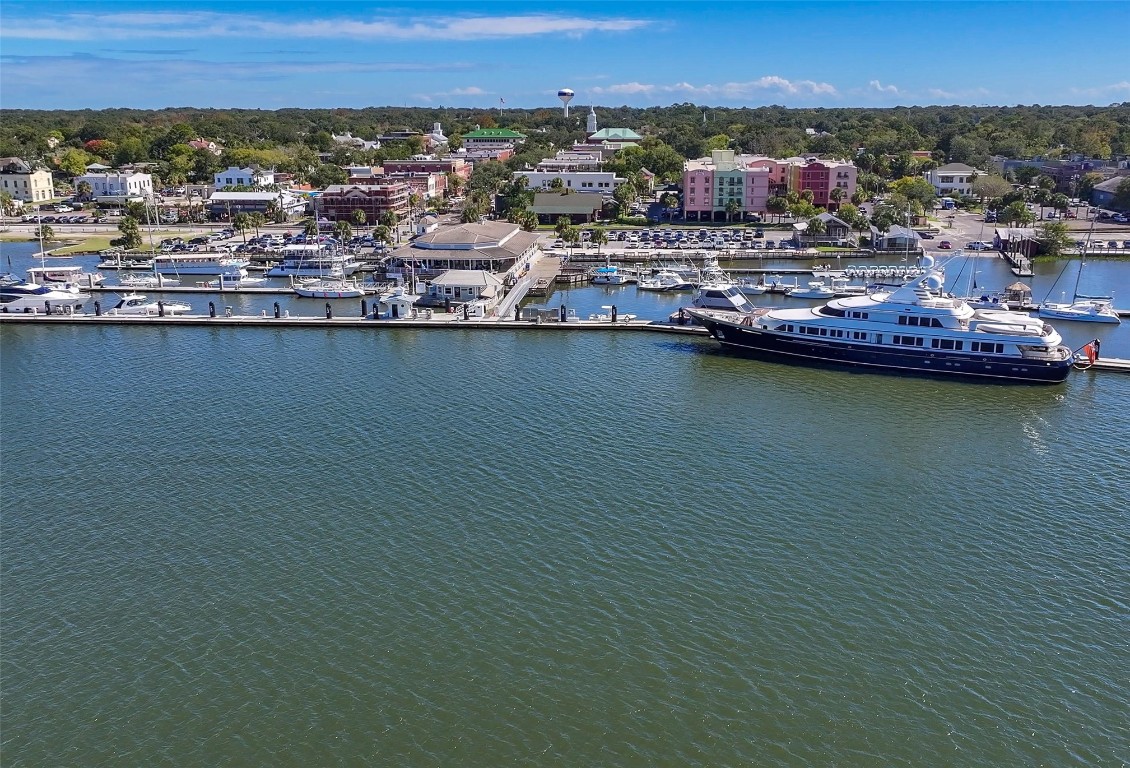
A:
(501, 101)
(1091, 353)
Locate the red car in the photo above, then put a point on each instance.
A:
(945, 245)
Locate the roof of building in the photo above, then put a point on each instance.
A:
(1110, 185)
(499, 240)
(551, 203)
(615, 134)
(14, 165)
(955, 168)
(829, 218)
(479, 278)
(896, 230)
(1008, 234)
(494, 133)
(234, 196)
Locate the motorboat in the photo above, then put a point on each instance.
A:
(717, 290)
(751, 286)
(816, 289)
(140, 304)
(611, 274)
(332, 288)
(610, 315)
(913, 329)
(155, 280)
(665, 280)
(398, 304)
(18, 295)
(313, 261)
(222, 283)
(1096, 310)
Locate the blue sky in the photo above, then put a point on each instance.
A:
(277, 53)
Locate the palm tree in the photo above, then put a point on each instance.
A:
(7, 204)
(598, 238)
(733, 207)
(471, 214)
(529, 221)
(83, 189)
(778, 206)
(257, 220)
(390, 220)
(382, 234)
(45, 232)
(836, 195)
(816, 227)
(310, 228)
(358, 217)
(670, 203)
(241, 222)
(343, 230)
(561, 225)
(571, 237)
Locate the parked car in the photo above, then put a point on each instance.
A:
(925, 236)
(1121, 218)
(945, 245)
(979, 245)
(759, 233)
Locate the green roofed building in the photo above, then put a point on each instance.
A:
(620, 135)
(492, 139)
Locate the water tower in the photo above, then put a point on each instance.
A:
(566, 95)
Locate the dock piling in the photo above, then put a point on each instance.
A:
(211, 309)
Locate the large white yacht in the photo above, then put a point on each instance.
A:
(314, 261)
(22, 296)
(916, 328)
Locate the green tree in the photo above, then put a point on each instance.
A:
(571, 236)
(382, 234)
(343, 230)
(257, 220)
(1054, 238)
(733, 208)
(84, 190)
(358, 217)
(1087, 184)
(45, 232)
(816, 227)
(917, 190)
(624, 195)
(1025, 174)
(7, 204)
(1016, 213)
(529, 220)
(131, 234)
(990, 186)
(670, 203)
(1121, 199)
(598, 238)
(471, 213)
(556, 184)
(326, 175)
(241, 222)
(310, 228)
(778, 206)
(561, 225)
(836, 195)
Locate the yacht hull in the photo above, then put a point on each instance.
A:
(820, 352)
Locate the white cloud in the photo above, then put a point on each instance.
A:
(130, 26)
(1103, 90)
(473, 90)
(877, 86)
(743, 90)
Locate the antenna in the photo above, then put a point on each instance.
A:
(566, 95)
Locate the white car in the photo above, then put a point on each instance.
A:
(978, 245)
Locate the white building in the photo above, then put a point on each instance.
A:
(955, 178)
(578, 181)
(24, 183)
(244, 177)
(117, 186)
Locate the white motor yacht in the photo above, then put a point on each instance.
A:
(22, 296)
(139, 304)
(816, 289)
(1086, 311)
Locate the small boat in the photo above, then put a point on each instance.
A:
(607, 316)
(1085, 311)
(140, 304)
(330, 289)
(751, 287)
(224, 283)
(665, 280)
(155, 280)
(816, 289)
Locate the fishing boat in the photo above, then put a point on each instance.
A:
(912, 329)
(717, 290)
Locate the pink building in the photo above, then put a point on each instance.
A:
(711, 187)
(821, 177)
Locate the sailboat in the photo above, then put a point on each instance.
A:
(1086, 309)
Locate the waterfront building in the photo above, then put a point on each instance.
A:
(566, 161)
(580, 209)
(1104, 193)
(24, 182)
(339, 201)
(225, 204)
(498, 247)
(467, 285)
(712, 184)
(244, 177)
(820, 177)
(952, 179)
(445, 165)
(117, 186)
(579, 181)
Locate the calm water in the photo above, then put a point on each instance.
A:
(253, 547)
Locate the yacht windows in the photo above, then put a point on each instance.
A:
(928, 322)
(860, 335)
(858, 315)
(987, 346)
(947, 344)
(908, 341)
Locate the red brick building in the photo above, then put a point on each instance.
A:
(339, 201)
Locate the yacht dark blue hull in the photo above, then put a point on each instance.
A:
(821, 352)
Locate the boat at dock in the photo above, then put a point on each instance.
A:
(915, 329)
(18, 295)
(333, 288)
(58, 275)
(140, 304)
(717, 290)
(313, 261)
(155, 280)
(212, 264)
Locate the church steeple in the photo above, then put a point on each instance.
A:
(590, 123)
